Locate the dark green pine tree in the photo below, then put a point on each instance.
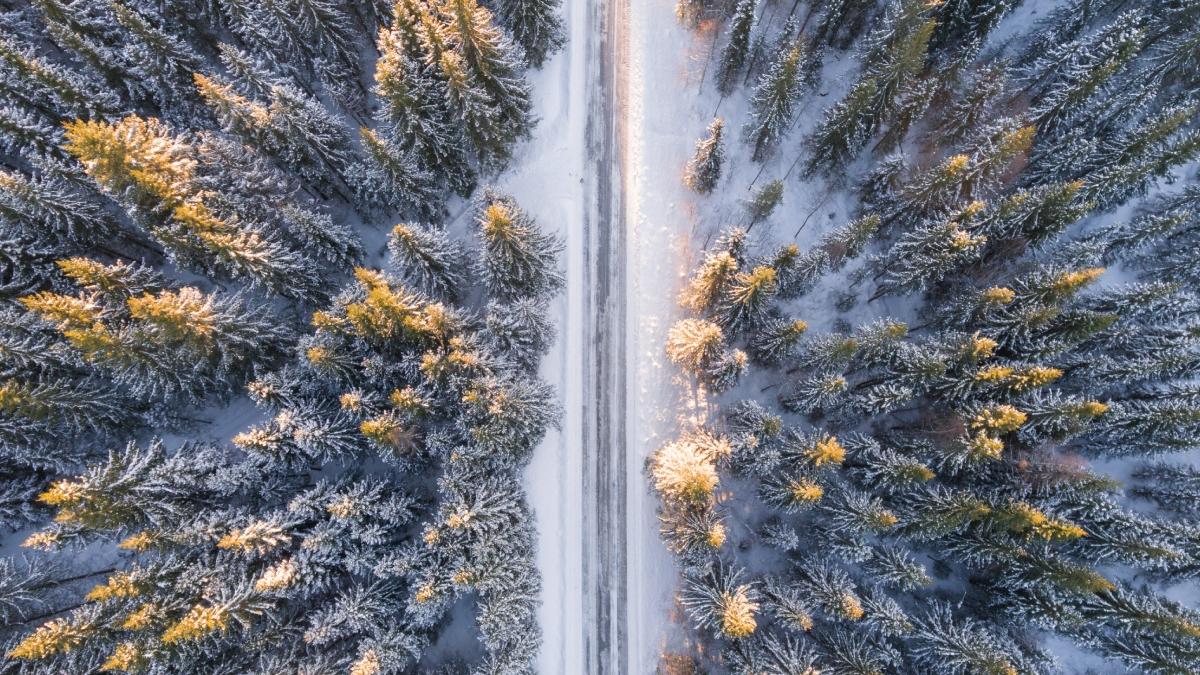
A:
(733, 56)
(535, 25)
(844, 131)
(765, 200)
(519, 259)
(484, 73)
(773, 104)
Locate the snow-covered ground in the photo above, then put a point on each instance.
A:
(548, 182)
(662, 119)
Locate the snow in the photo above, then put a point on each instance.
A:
(666, 111)
(547, 182)
(668, 102)
(662, 122)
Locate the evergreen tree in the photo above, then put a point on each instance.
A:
(704, 169)
(53, 207)
(483, 74)
(717, 600)
(844, 131)
(428, 259)
(519, 259)
(764, 201)
(1066, 76)
(930, 252)
(535, 26)
(52, 89)
(733, 57)
(392, 179)
(774, 101)
(157, 56)
(415, 105)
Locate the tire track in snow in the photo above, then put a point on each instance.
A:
(604, 374)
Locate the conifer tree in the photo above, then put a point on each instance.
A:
(391, 178)
(717, 600)
(141, 163)
(47, 201)
(844, 131)
(695, 344)
(930, 252)
(774, 101)
(484, 77)
(1070, 73)
(704, 169)
(747, 302)
(428, 259)
(415, 104)
(157, 56)
(764, 201)
(519, 259)
(535, 26)
(55, 90)
(733, 56)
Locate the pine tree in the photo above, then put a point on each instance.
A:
(841, 21)
(704, 169)
(796, 273)
(428, 259)
(960, 647)
(848, 241)
(535, 26)
(1169, 486)
(484, 77)
(776, 340)
(728, 369)
(390, 178)
(317, 232)
(764, 201)
(733, 57)
(21, 132)
(415, 106)
(519, 259)
(54, 90)
(519, 331)
(969, 22)
(297, 130)
(252, 76)
(1069, 74)
(980, 96)
(710, 281)
(155, 173)
(717, 600)
(47, 201)
(896, 54)
(774, 100)
(748, 300)
(157, 56)
(695, 344)
(844, 131)
(930, 252)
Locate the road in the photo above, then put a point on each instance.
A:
(605, 471)
(607, 579)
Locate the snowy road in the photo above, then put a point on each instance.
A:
(607, 580)
(605, 474)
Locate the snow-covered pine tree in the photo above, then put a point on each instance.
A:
(518, 256)
(733, 56)
(535, 25)
(704, 169)
(774, 101)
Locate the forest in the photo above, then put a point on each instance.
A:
(956, 434)
(232, 218)
(287, 325)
